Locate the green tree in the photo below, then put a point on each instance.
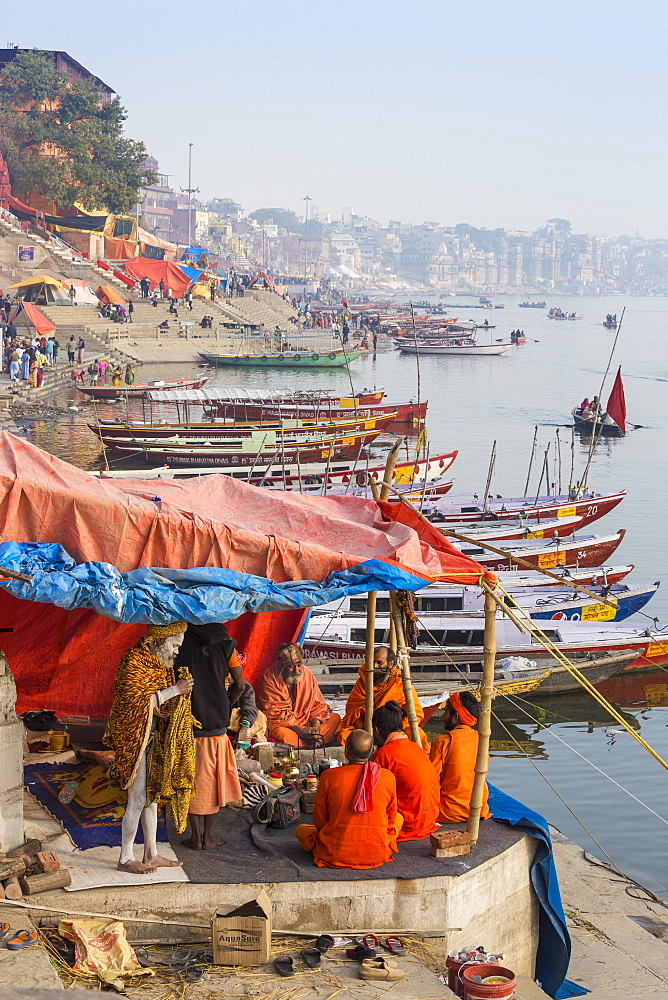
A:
(65, 141)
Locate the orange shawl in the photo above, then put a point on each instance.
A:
(274, 698)
(390, 690)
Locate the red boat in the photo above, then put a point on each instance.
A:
(323, 410)
(406, 473)
(590, 506)
(139, 388)
(504, 530)
(585, 551)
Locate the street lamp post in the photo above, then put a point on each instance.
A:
(307, 199)
(190, 194)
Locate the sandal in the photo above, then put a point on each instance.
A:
(22, 939)
(394, 945)
(381, 971)
(312, 957)
(370, 941)
(284, 966)
(360, 952)
(324, 943)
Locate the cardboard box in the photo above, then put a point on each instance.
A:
(241, 935)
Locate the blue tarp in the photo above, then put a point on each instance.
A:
(554, 943)
(200, 595)
(192, 273)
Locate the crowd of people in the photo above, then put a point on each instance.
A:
(392, 790)
(25, 360)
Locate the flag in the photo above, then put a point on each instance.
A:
(617, 403)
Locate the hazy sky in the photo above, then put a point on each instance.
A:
(501, 113)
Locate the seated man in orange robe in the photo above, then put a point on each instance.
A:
(418, 790)
(355, 812)
(454, 756)
(387, 686)
(296, 711)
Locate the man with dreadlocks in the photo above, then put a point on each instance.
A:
(150, 732)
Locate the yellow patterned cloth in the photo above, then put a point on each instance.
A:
(171, 758)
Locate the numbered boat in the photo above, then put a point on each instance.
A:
(140, 388)
(578, 551)
(284, 359)
(589, 505)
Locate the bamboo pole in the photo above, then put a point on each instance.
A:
(485, 717)
(533, 448)
(490, 471)
(372, 596)
(405, 665)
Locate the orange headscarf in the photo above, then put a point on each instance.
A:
(463, 714)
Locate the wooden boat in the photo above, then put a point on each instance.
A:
(605, 425)
(405, 412)
(457, 641)
(414, 493)
(287, 359)
(603, 576)
(255, 450)
(557, 603)
(500, 530)
(581, 550)
(461, 347)
(114, 430)
(610, 324)
(591, 506)
(532, 305)
(140, 388)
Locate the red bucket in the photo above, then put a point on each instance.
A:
(454, 966)
(487, 991)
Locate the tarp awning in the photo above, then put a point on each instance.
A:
(107, 293)
(38, 279)
(29, 315)
(159, 270)
(268, 549)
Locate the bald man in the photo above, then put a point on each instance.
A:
(355, 811)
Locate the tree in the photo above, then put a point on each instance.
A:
(65, 141)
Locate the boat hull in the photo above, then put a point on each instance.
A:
(576, 552)
(590, 507)
(591, 426)
(331, 359)
(473, 350)
(403, 412)
(114, 391)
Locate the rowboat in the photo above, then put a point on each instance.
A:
(558, 603)
(140, 388)
(111, 430)
(414, 493)
(328, 410)
(532, 305)
(604, 425)
(255, 449)
(462, 347)
(581, 550)
(288, 359)
(587, 504)
(603, 576)
(505, 530)
(458, 641)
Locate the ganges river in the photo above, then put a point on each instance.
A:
(472, 403)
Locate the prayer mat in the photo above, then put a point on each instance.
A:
(93, 818)
(255, 853)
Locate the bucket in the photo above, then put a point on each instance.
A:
(454, 966)
(487, 990)
(58, 740)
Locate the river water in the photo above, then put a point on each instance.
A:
(472, 403)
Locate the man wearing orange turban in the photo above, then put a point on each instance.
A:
(454, 755)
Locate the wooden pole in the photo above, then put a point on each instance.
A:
(542, 473)
(559, 458)
(485, 717)
(533, 448)
(372, 599)
(570, 481)
(490, 471)
(405, 666)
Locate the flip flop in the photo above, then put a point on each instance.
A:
(360, 952)
(370, 941)
(312, 957)
(394, 945)
(324, 943)
(22, 939)
(284, 966)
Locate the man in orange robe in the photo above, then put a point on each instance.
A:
(454, 756)
(387, 686)
(296, 711)
(355, 812)
(418, 790)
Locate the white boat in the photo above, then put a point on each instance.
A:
(455, 347)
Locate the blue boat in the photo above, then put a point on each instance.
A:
(553, 606)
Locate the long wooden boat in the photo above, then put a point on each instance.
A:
(255, 450)
(558, 603)
(455, 349)
(287, 359)
(532, 305)
(329, 410)
(140, 388)
(506, 530)
(414, 493)
(458, 640)
(581, 550)
(595, 576)
(605, 425)
(589, 505)
(110, 430)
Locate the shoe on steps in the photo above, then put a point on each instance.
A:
(379, 963)
(381, 972)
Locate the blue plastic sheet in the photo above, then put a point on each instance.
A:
(200, 595)
(554, 943)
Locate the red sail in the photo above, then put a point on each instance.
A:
(617, 403)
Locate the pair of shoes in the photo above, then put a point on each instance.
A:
(22, 939)
(381, 969)
(324, 942)
(311, 957)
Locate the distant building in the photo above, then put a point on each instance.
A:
(63, 62)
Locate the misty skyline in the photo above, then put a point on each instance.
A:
(502, 116)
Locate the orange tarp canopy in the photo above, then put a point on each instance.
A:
(118, 249)
(107, 293)
(157, 270)
(65, 660)
(29, 315)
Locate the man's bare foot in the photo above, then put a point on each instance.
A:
(194, 843)
(135, 868)
(160, 862)
(211, 843)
